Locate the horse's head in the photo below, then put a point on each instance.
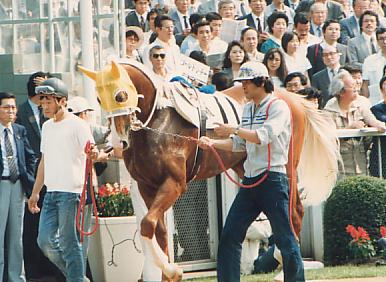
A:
(117, 94)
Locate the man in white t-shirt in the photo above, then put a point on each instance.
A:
(61, 169)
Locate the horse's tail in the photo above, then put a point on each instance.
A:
(318, 165)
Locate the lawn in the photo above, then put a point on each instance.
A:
(345, 271)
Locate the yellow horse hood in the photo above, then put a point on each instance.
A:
(116, 92)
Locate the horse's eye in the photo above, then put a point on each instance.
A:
(121, 96)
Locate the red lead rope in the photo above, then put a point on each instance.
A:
(80, 215)
(257, 183)
(234, 181)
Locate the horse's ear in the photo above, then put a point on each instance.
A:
(115, 70)
(91, 74)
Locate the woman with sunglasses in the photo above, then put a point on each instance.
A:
(157, 56)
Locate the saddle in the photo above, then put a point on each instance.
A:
(191, 104)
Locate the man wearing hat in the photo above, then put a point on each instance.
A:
(265, 131)
(61, 170)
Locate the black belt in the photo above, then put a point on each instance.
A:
(7, 178)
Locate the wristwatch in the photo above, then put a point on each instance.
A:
(236, 132)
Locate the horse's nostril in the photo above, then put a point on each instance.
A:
(125, 144)
(121, 96)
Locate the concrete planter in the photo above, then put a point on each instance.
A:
(126, 263)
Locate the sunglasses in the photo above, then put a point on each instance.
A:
(45, 90)
(156, 56)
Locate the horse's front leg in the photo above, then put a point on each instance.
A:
(173, 186)
(167, 194)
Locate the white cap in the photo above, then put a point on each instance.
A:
(251, 70)
(77, 105)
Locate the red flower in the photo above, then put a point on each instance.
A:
(125, 191)
(353, 232)
(383, 231)
(363, 234)
(103, 191)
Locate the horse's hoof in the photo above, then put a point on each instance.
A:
(173, 272)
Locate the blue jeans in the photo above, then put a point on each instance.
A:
(58, 237)
(270, 197)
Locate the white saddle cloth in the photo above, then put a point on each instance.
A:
(189, 102)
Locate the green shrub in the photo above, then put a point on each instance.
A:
(358, 200)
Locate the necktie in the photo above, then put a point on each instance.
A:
(41, 118)
(373, 49)
(242, 9)
(142, 23)
(319, 32)
(13, 176)
(332, 73)
(186, 22)
(259, 29)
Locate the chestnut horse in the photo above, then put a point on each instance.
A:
(162, 162)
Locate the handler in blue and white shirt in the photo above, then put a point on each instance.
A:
(271, 197)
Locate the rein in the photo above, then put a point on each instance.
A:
(224, 170)
(80, 215)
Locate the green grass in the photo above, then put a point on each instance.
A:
(337, 272)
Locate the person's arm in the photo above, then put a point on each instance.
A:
(222, 144)
(34, 198)
(246, 134)
(365, 88)
(372, 121)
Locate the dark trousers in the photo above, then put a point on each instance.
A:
(270, 197)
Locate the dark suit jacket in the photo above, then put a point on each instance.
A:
(321, 81)
(251, 22)
(26, 159)
(132, 19)
(26, 118)
(314, 55)
(334, 9)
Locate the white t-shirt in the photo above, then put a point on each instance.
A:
(63, 146)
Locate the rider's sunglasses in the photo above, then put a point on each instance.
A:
(44, 90)
(156, 56)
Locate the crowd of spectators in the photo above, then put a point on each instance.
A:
(311, 47)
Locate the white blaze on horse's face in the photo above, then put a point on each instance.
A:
(116, 92)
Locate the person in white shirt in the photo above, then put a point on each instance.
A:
(302, 28)
(215, 22)
(62, 172)
(164, 28)
(157, 57)
(190, 41)
(295, 62)
(205, 42)
(373, 67)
